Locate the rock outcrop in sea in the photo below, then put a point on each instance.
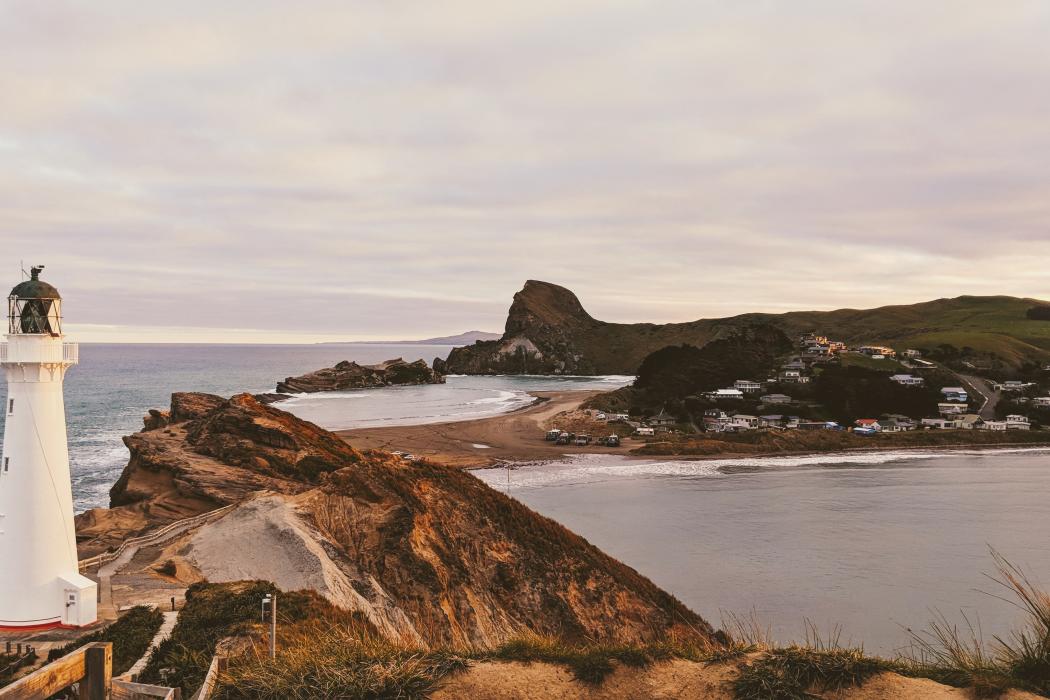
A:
(426, 552)
(350, 375)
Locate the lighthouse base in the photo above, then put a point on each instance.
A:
(68, 602)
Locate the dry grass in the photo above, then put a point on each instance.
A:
(960, 657)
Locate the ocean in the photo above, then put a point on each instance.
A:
(873, 544)
(114, 386)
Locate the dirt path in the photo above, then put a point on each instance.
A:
(479, 443)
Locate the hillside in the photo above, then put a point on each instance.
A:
(426, 552)
(548, 331)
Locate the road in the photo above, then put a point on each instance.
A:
(990, 396)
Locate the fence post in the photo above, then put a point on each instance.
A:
(98, 672)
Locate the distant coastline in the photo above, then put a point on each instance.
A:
(467, 338)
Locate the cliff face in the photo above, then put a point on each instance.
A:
(350, 375)
(426, 552)
(548, 332)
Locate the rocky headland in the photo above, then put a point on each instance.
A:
(428, 553)
(548, 331)
(350, 375)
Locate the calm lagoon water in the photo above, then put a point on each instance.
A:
(114, 385)
(872, 543)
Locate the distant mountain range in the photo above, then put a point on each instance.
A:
(468, 338)
(548, 331)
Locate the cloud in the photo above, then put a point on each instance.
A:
(376, 169)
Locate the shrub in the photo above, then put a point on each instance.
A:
(131, 635)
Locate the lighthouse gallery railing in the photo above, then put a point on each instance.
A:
(66, 353)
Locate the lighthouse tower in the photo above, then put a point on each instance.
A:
(40, 584)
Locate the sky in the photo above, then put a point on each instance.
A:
(298, 172)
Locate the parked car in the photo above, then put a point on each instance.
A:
(553, 435)
(612, 441)
(582, 440)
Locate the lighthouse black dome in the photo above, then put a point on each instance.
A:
(35, 288)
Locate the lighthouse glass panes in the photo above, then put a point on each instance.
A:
(34, 316)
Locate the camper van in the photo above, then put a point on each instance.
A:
(645, 432)
(552, 435)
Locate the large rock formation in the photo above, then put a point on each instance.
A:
(427, 552)
(350, 375)
(549, 332)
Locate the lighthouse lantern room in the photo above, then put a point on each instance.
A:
(40, 582)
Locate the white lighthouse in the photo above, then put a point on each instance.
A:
(40, 584)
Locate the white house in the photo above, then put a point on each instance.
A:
(747, 386)
(912, 354)
(970, 421)
(997, 425)
(793, 376)
(907, 380)
(771, 421)
(939, 423)
(724, 394)
(744, 422)
(1013, 385)
(1018, 423)
(951, 409)
(1041, 402)
(955, 393)
(775, 398)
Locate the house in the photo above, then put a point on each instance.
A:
(744, 422)
(874, 350)
(1041, 402)
(970, 421)
(663, 419)
(868, 424)
(912, 354)
(645, 432)
(996, 425)
(781, 398)
(792, 376)
(747, 386)
(1013, 386)
(1015, 422)
(795, 364)
(951, 409)
(720, 394)
(715, 420)
(939, 423)
(813, 425)
(955, 393)
(771, 421)
(907, 380)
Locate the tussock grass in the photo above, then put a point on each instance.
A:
(960, 657)
(349, 662)
(593, 662)
(791, 673)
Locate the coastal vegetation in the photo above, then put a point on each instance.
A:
(325, 652)
(130, 634)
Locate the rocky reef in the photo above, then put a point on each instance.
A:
(350, 375)
(427, 552)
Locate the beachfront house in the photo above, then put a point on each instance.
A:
(951, 409)
(744, 422)
(955, 393)
(868, 424)
(895, 425)
(939, 423)
(1015, 422)
(723, 394)
(774, 398)
(907, 380)
(747, 386)
(663, 419)
(771, 421)
(996, 425)
(970, 421)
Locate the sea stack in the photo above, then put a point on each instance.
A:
(40, 582)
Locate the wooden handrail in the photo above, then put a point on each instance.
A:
(218, 665)
(90, 666)
(106, 557)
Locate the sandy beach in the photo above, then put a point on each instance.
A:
(514, 436)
